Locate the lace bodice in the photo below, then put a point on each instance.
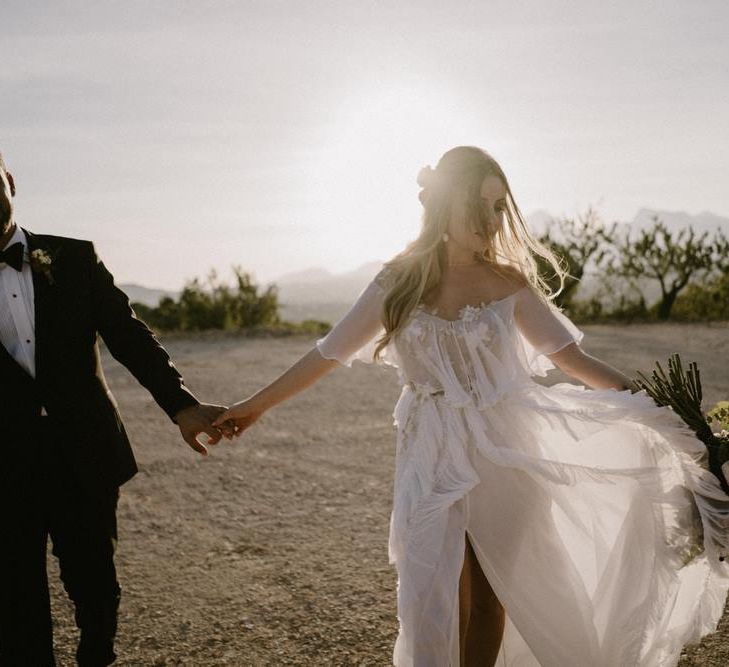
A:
(475, 358)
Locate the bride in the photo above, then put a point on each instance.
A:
(531, 526)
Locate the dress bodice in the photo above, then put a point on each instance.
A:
(475, 359)
(472, 359)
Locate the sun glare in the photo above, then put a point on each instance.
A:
(361, 185)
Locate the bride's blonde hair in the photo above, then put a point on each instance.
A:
(414, 272)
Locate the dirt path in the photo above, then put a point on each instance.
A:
(273, 551)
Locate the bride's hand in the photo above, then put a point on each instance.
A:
(242, 415)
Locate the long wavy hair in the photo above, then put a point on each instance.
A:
(417, 270)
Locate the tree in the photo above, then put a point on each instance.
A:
(575, 243)
(671, 258)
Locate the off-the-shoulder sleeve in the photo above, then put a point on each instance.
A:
(355, 335)
(543, 329)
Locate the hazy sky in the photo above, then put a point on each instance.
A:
(282, 135)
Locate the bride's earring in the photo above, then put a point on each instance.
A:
(445, 237)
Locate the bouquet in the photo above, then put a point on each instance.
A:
(682, 392)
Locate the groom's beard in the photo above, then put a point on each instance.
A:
(6, 216)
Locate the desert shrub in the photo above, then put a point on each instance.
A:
(214, 305)
(587, 310)
(702, 301)
(248, 307)
(719, 415)
(165, 317)
(202, 309)
(614, 299)
(144, 312)
(317, 327)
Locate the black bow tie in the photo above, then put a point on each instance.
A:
(13, 256)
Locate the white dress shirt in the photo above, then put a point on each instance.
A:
(17, 308)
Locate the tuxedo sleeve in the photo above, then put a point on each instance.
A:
(133, 344)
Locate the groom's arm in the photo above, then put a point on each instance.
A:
(132, 343)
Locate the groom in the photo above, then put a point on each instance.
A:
(63, 449)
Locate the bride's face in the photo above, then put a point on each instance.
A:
(475, 231)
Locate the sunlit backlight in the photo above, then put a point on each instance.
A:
(361, 185)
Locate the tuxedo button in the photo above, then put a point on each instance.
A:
(15, 296)
(27, 340)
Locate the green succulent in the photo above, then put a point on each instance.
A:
(681, 391)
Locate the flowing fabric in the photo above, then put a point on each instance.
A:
(589, 511)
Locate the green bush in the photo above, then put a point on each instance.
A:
(704, 301)
(213, 305)
(317, 327)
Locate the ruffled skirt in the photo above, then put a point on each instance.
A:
(590, 515)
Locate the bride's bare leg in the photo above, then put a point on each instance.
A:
(481, 615)
(464, 604)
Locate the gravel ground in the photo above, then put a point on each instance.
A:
(273, 550)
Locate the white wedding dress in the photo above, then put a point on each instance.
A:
(588, 512)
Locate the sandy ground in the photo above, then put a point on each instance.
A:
(273, 550)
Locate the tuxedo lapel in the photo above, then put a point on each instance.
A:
(43, 303)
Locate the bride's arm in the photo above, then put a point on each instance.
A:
(352, 333)
(593, 372)
(551, 333)
(305, 372)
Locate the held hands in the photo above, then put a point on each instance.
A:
(239, 416)
(197, 419)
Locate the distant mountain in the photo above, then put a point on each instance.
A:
(317, 293)
(320, 286)
(675, 220)
(146, 295)
(307, 276)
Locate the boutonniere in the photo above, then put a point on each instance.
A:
(41, 262)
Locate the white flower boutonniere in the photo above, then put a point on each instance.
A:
(41, 262)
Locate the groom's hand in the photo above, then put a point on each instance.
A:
(197, 419)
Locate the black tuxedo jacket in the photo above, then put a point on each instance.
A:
(74, 303)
